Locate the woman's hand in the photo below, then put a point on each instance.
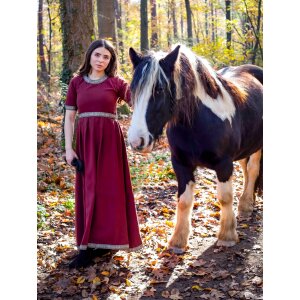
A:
(70, 154)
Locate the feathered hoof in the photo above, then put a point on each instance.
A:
(244, 215)
(226, 243)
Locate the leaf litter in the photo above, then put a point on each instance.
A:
(205, 271)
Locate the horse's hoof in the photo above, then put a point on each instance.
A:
(244, 215)
(226, 243)
(177, 250)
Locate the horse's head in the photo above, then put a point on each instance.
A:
(153, 97)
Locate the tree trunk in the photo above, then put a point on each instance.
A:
(154, 28)
(212, 21)
(252, 27)
(257, 33)
(77, 25)
(44, 73)
(196, 29)
(120, 43)
(173, 8)
(216, 23)
(228, 23)
(206, 19)
(181, 21)
(106, 20)
(144, 26)
(189, 22)
(169, 16)
(49, 50)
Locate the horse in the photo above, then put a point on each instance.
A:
(212, 119)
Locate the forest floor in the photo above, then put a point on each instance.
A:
(204, 271)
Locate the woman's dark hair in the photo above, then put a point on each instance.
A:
(112, 68)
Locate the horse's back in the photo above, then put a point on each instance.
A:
(253, 70)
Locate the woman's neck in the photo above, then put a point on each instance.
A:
(96, 75)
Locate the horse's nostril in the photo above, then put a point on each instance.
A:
(150, 140)
(142, 143)
(138, 144)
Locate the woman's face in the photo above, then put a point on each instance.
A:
(100, 59)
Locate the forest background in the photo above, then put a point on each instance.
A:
(224, 31)
(280, 40)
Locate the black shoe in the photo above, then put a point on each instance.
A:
(83, 259)
(99, 252)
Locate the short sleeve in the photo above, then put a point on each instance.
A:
(124, 91)
(71, 100)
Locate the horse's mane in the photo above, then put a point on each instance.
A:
(196, 81)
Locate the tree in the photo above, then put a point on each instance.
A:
(144, 26)
(206, 19)
(154, 27)
(189, 22)
(174, 21)
(44, 72)
(77, 25)
(212, 21)
(78, 32)
(228, 23)
(120, 44)
(257, 34)
(106, 20)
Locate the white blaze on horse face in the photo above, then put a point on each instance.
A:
(138, 127)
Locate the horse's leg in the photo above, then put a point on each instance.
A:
(227, 235)
(186, 181)
(251, 172)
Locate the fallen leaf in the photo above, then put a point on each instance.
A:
(80, 279)
(105, 273)
(96, 281)
(165, 294)
(128, 282)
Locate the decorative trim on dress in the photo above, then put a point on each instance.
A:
(107, 246)
(70, 107)
(94, 81)
(97, 114)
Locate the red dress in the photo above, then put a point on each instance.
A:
(105, 209)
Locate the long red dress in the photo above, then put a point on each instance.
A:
(105, 209)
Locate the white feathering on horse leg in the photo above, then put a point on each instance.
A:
(179, 239)
(227, 235)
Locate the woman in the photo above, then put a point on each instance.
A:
(105, 211)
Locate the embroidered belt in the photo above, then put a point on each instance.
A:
(97, 114)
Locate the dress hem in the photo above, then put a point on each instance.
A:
(107, 246)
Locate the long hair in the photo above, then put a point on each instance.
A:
(113, 66)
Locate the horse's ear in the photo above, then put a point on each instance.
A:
(168, 62)
(135, 57)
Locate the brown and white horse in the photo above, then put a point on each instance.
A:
(213, 119)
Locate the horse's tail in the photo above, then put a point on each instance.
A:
(258, 187)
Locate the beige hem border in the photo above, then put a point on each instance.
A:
(107, 246)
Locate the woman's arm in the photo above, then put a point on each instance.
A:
(69, 130)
